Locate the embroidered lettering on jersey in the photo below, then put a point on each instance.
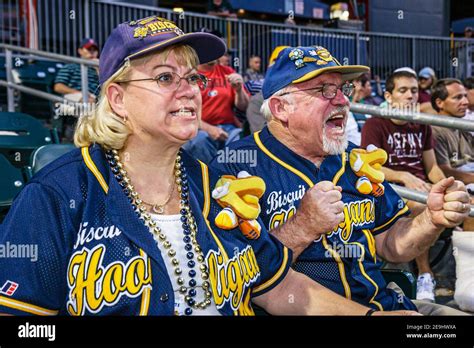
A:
(87, 235)
(229, 279)
(358, 213)
(93, 285)
(277, 199)
(280, 217)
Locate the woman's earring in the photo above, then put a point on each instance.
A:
(125, 118)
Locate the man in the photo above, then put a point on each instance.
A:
(305, 145)
(469, 85)
(363, 91)
(411, 158)
(253, 71)
(454, 147)
(220, 8)
(68, 79)
(68, 83)
(219, 125)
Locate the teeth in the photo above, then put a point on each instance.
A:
(182, 113)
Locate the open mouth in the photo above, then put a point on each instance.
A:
(336, 122)
(185, 112)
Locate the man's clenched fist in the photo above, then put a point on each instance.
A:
(448, 203)
(321, 208)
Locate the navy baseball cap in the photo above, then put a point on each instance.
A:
(88, 43)
(133, 39)
(299, 64)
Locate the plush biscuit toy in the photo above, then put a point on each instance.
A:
(366, 165)
(240, 199)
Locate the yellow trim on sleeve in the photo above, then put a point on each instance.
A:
(276, 276)
(310, 183)
(145, 304)
(400, 212)
(92, 167)
(26, 307)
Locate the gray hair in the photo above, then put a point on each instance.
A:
(265, 108)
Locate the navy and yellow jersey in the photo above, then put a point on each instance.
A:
(344, 259)
(95, 257)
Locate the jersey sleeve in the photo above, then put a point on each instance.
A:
(389, 208)
(35, 250)
(274, 260)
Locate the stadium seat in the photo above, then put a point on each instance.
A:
(404, 279)
(11, 182)
(45, 155)
(20, 135)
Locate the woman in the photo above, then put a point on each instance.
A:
(125, 224)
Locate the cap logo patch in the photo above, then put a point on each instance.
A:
(153, 26)
(297, 55)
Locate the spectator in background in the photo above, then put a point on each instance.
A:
(68, 79)
(253, 71)
(363, 91)
(68, 83)
(426, 79)
(221, 8)
(225, 59)
(255, 117)
(468, 32)
(454, 147)
(469, 85)
(411, 158)
(219, 125)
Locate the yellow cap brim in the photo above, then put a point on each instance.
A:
(349, 72)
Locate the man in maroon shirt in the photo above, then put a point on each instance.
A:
(411, 158)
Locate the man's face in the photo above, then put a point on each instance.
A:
(315, 121)
(255, 63)
(404, 94)
(88, 53)
(456, 103)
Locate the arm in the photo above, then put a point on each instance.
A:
(241, 99)
(408, 238)
(299, 295)
(465, 177)
(432, 169)
(216, 133)
(405, 178)
(61, 88)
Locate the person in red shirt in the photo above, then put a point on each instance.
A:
(411, 158)
(219, 126)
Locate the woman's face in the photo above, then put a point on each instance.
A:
(170, 115)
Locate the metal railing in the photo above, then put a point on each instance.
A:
(11, 86)
(413, 195)
(63, 23)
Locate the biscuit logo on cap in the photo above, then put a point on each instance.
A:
(152, 26)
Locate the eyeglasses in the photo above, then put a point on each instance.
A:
(169, 81)
(329, 90)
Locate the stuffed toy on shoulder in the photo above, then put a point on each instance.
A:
(239, 196)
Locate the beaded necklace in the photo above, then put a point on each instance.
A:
(189, 230)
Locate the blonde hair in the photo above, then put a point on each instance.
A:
(103, 126)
